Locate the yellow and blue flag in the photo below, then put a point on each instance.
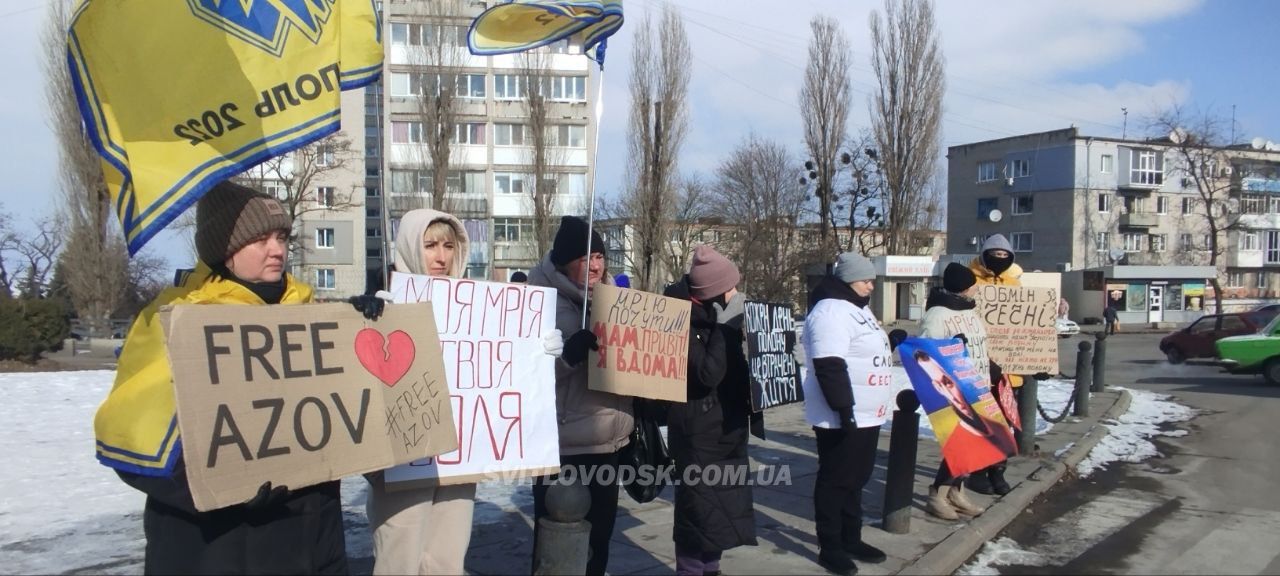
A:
(177, 95)
(526, 24)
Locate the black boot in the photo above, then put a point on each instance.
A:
(995, 475)
(835, 560)
(979, 482)
(866, 552)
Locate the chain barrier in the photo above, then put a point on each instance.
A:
(1062, 416)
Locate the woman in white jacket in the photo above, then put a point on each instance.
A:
(847, 395)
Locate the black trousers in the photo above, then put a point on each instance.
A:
(846, 460)
(604, 504)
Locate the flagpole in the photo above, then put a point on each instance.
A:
(591, 209)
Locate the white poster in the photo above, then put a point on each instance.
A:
(501, 382)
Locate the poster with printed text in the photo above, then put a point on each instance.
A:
(644, 344)
(770, 333)
(502, 386)
(1022, 333)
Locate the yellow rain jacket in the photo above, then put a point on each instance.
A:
(1010, 277)
(137, 426)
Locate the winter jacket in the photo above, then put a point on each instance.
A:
(137, 425)
(847, 360)
(710, 430)
(591, 422)
(947, 314)
(1010, 277)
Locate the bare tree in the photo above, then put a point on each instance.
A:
(906, 114)
(39, 251)
(9, 242)
(95, 254)
(535, 81)
(758, 191)
(690, 218)
(658, 123)
(824, 107)
(1195, 150)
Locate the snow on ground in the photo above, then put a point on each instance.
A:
(1127, 439)
(1002, 551)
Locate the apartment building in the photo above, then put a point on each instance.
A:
(1120, 207)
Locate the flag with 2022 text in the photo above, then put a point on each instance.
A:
(177, 95)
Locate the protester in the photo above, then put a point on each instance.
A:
(951, 311)
(995, 265)
(709, 429)
(594, 426)
(242, 242)
(847, 394)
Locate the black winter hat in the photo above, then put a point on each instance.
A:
(957, 278)
(571, 241)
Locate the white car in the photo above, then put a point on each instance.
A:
(1067, 328)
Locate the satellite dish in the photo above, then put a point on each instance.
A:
(995, 215)
(1271, 146)
(1177, 135)
(1116, 254)
(1258, 143)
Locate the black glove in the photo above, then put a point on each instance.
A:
(896, 337)
(575, 348)
(268, 497)
(1042, 376)
(961, 337)
(847, 422)
(370, 306)
(996, 373)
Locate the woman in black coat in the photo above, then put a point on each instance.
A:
(710, 429)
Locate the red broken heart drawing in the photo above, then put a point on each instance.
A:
(388, 363)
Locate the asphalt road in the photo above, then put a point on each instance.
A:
(1208, 505)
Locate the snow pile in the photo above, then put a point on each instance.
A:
(1127, 438)
(1002, 551)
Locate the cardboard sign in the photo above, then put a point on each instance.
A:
(299, 395)
(965, 417)
(644, 344)
(770, 332)
(1022, 334)
(502, 383)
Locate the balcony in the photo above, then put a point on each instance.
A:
(1139, 220)
(1254, 184)
(1244, 258)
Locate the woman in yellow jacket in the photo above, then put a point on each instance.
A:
(242, 240)
(995, 265)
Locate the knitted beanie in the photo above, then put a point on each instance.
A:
(957, 278)
(231, 216)
(852, 267)
(711, 274)
(571, 241)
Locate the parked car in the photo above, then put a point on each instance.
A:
(1197, 340)
(1067, 328)
(1253, 353)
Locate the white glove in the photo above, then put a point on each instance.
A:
(383, 294)
(553, 343)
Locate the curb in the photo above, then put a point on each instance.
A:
(949, 554)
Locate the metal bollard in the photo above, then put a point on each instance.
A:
(900, 476)
(562, 544)
(1027, 413)
(1100, 362)
(1084, 376)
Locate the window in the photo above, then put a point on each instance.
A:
(470, 133)
(1157, 242)
(987, 171)
(1249, 241)
(1185, 242)
(1262, 280)
(985, 206)
(1133, 242)
(1232, 324)
(566, 88)
(1101, 241)
(508, 134)
(1274, 207)
(1104, 202)
(1162, 205)
(324, 237)
(508, 183)
(462, 182)
(1204, 241)
(1022, 204)
(325, 279)
(1019, 168)
(1021, 241)
(512, 229)
(1134, 204)
(573, 184)
(1253, 204)
(276, 189)
(406, 34)
(471, 85)
(325, 196)
(324, 155)
(1148, 168)
(567, 135)
(1204, 325)
(1187, 205)
(1273, 247)
(407, 133)
(1235, 279)
(1108, 164)
(508, 87)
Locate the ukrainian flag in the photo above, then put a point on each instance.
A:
(526, 24)
(177, 95)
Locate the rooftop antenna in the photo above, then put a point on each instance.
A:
(1124, 131)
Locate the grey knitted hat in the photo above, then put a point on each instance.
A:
(851, 267)
(231, 216)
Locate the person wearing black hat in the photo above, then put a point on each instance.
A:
(242, 241)
(594, 426)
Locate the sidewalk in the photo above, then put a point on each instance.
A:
(784, 514)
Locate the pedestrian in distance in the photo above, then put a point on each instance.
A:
(848, 394)
(1112, 318)
(709, 429)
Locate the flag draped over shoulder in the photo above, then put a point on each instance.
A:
(178, 95)
(526, 24)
